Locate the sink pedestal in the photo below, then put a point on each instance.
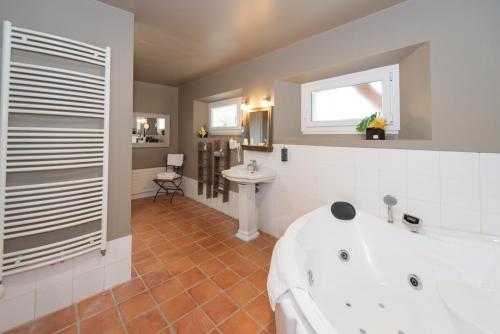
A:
(248, 229)
(247, 181)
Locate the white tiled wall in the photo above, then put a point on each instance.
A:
(489, 171)
(35, 293)
(142, 182)
(451, 190)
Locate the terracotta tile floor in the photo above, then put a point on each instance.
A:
(189, 275)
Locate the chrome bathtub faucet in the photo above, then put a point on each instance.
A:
(390, 201)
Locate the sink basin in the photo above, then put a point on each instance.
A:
(241, 175)
(247, 182)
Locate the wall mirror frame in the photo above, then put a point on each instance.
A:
(155, 134)
(258, 129)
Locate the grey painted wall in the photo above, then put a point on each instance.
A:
(415, 96)
(158, 99)
(464, 53)
(95, 23)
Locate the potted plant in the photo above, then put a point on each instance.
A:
(374, 126)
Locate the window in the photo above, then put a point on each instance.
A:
(225, 117)
(160, 123)
(336, 105)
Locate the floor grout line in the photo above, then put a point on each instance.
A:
(120, 317)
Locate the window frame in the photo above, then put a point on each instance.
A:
(226, 130)
(389, 75)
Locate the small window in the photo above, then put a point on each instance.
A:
(336, 105)
(225, 117)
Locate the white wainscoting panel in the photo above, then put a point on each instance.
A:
(35, 293)
(142, 182)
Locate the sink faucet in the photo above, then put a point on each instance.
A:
(252, 166)
(390, 201)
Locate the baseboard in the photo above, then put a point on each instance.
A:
(144, 194)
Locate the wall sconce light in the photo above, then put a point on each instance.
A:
(266, 102)
(244, 104)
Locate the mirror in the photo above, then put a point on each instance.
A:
(258, 129)
(150, 130)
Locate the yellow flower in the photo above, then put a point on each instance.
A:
(202, 132)
(379, 123)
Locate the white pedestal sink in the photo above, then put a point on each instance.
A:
(247, 182)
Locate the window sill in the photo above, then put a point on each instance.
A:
(236, 132)
(341, 130)
(319, 131)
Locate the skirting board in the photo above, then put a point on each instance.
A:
(38, 292)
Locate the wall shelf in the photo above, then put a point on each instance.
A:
(205, 168)
(221, 162)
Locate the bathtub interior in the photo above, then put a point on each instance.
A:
(369, 291)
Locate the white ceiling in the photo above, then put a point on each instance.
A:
(181, 40)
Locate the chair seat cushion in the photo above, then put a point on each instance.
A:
(167, 176)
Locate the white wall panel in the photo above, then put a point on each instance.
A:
(142, 181)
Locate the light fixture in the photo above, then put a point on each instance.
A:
(244, 104)
(266, 102)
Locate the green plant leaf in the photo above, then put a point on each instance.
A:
(365, 122)
(360, 127)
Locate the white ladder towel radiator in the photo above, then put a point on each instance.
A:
(54, 129)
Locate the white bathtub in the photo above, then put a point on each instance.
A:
(458, 277)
